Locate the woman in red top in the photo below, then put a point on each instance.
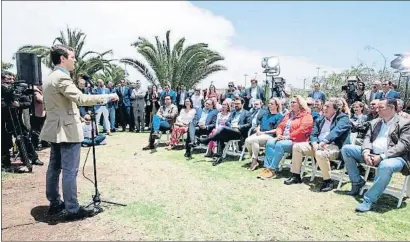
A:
(295, 127)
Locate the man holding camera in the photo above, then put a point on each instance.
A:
(63, 129)
(16, 97)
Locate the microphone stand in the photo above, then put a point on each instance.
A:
(96, 197)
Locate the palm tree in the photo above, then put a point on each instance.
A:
(174, 65)
(114, 73)
(88, 63)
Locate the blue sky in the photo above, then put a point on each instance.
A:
(331, 33)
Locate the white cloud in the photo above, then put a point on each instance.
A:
(114, 25)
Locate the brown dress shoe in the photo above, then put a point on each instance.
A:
(270, 173)
(262, 174)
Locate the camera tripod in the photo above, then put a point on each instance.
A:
(96, 197)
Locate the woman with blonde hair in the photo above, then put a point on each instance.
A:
(295, 127)
(265, 130)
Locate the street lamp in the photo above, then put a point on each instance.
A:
(368, 47)
(317, 78)
(245, 75)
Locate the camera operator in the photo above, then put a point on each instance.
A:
(354, 90)
(16, 97)
(279, 89)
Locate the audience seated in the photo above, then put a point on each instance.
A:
(386, 146)
(203, 123)
(236, 128)
(295, 127)
(180, 126)
(331, 131)
(221, 119)
(264, 131)
(257, 112)
(87, 131)
(162, 121)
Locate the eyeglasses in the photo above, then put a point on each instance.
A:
(208, 103)
(310, 104)
(167, 98)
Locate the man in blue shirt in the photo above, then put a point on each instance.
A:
(317, 94)
(102, 109)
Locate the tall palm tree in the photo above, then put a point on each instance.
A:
(114, 73)
(174, 65)
(89, 62)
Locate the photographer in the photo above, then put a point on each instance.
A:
(279, 89)
(354, 90)
(16, 97)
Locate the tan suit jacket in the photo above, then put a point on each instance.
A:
(61, 97)
(398, 139)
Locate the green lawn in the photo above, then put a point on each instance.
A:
(171, 198)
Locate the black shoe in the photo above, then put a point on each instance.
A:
(56, 209)
(149, 147)
(326, 186)
(356, 187)
(217, 161)
(83, 212)
(294, 179)
(37, 162)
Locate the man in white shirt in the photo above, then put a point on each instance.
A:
(87, 130)
(385, 146)
(197, 99)
(330, 132)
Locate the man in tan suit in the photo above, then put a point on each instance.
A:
(63, 129)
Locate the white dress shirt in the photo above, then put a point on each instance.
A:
(326, 128)
(380, 144)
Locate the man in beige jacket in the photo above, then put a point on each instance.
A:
(63, 129)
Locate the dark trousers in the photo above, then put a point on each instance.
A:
(124, 113)
(193, 131)
(36, 126)
(132, 119)
(224, 135)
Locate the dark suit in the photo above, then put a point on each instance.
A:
(124, 105)
(258, 114)
(193, 128)
(390, 94)
(228, 133)
(260, 94)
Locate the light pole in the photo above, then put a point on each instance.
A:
(317, 77)
(245, 75)
(324, 74)
(368, 47)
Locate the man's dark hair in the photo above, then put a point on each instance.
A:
(241, 99)
(392, 102)
(57, 51)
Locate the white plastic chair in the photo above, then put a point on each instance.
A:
(398, 192)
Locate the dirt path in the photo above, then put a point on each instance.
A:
(169, 198)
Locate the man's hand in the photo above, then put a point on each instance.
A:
(114, 97)
(367, 159)
(322, 145)
(16, 104)
(376, 159)
(235, 126)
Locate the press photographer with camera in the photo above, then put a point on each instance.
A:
(354, 90)
(16, 97)
(63, 129)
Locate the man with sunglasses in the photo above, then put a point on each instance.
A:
(203, 123)
(230, 92)
(162, 121)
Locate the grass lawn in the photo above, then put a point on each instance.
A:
(171, 198)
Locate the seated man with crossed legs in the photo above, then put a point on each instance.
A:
(162, 121)
(237, 127)
(386, 146)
